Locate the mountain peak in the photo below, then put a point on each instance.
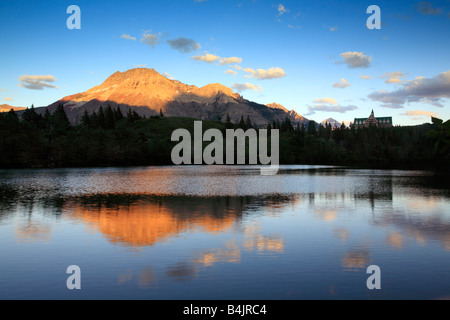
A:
(136, 74)
(215, 88)
(148, 92)
(275, 105)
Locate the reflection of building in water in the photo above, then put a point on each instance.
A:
(375, 189)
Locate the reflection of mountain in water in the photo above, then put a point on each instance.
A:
(145, 220)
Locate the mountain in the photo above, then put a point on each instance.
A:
(282, 111)
(333, 122)
(7, 107)
(147, 92)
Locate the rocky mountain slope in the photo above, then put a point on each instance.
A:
(148, 92)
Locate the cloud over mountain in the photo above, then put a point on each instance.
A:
(37, 82)
(239, 87)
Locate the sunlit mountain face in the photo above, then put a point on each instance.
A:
(149, 93)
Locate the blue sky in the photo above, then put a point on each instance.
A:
(316, 57)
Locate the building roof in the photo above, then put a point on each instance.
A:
(379, 119)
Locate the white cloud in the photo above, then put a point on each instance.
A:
(128, 37)
(427, 90)
(239, 87)
(326, 101)
(356, 59)
(282, 9)
(342, 84)
(7, 99)
(184, 45)
(329, 108)
(294, 27)
(209, 58)
(230, 60)
(427, 8)
(393, 77)
(152, 39)
(420, 113)
(229, 71)
(37, 82)
(261, 74)
(365, 77)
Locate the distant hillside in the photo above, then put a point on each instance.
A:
(7, 107)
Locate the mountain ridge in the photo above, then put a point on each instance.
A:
(148, 92)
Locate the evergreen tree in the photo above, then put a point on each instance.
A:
(228, 123)
(86, 120)
(12, 115)
(101, 118)
(248, 123)
(109, 118)
(241, 124)
(312, 127)
(60, 120)
(118, 115)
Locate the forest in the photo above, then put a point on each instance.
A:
(110, 137)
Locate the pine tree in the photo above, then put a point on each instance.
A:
(109, 118)
(118, 115)
(228, 123)
(101, 118)
(86, 120)
(60, 120)
(312, 127)
(241, 124)
(248, 123)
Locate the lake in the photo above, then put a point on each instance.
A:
(219, 232)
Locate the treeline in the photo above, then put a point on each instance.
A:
(112, 137)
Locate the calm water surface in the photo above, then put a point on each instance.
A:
(309, 232)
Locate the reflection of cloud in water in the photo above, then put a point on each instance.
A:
(341, 233)
(422, 228)
(145, 277)
(420, 205)
(356, 260)
(182, 271)
(326, 214)
(230, 254)
(395, 240)
(254, 240)
(33, 232)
